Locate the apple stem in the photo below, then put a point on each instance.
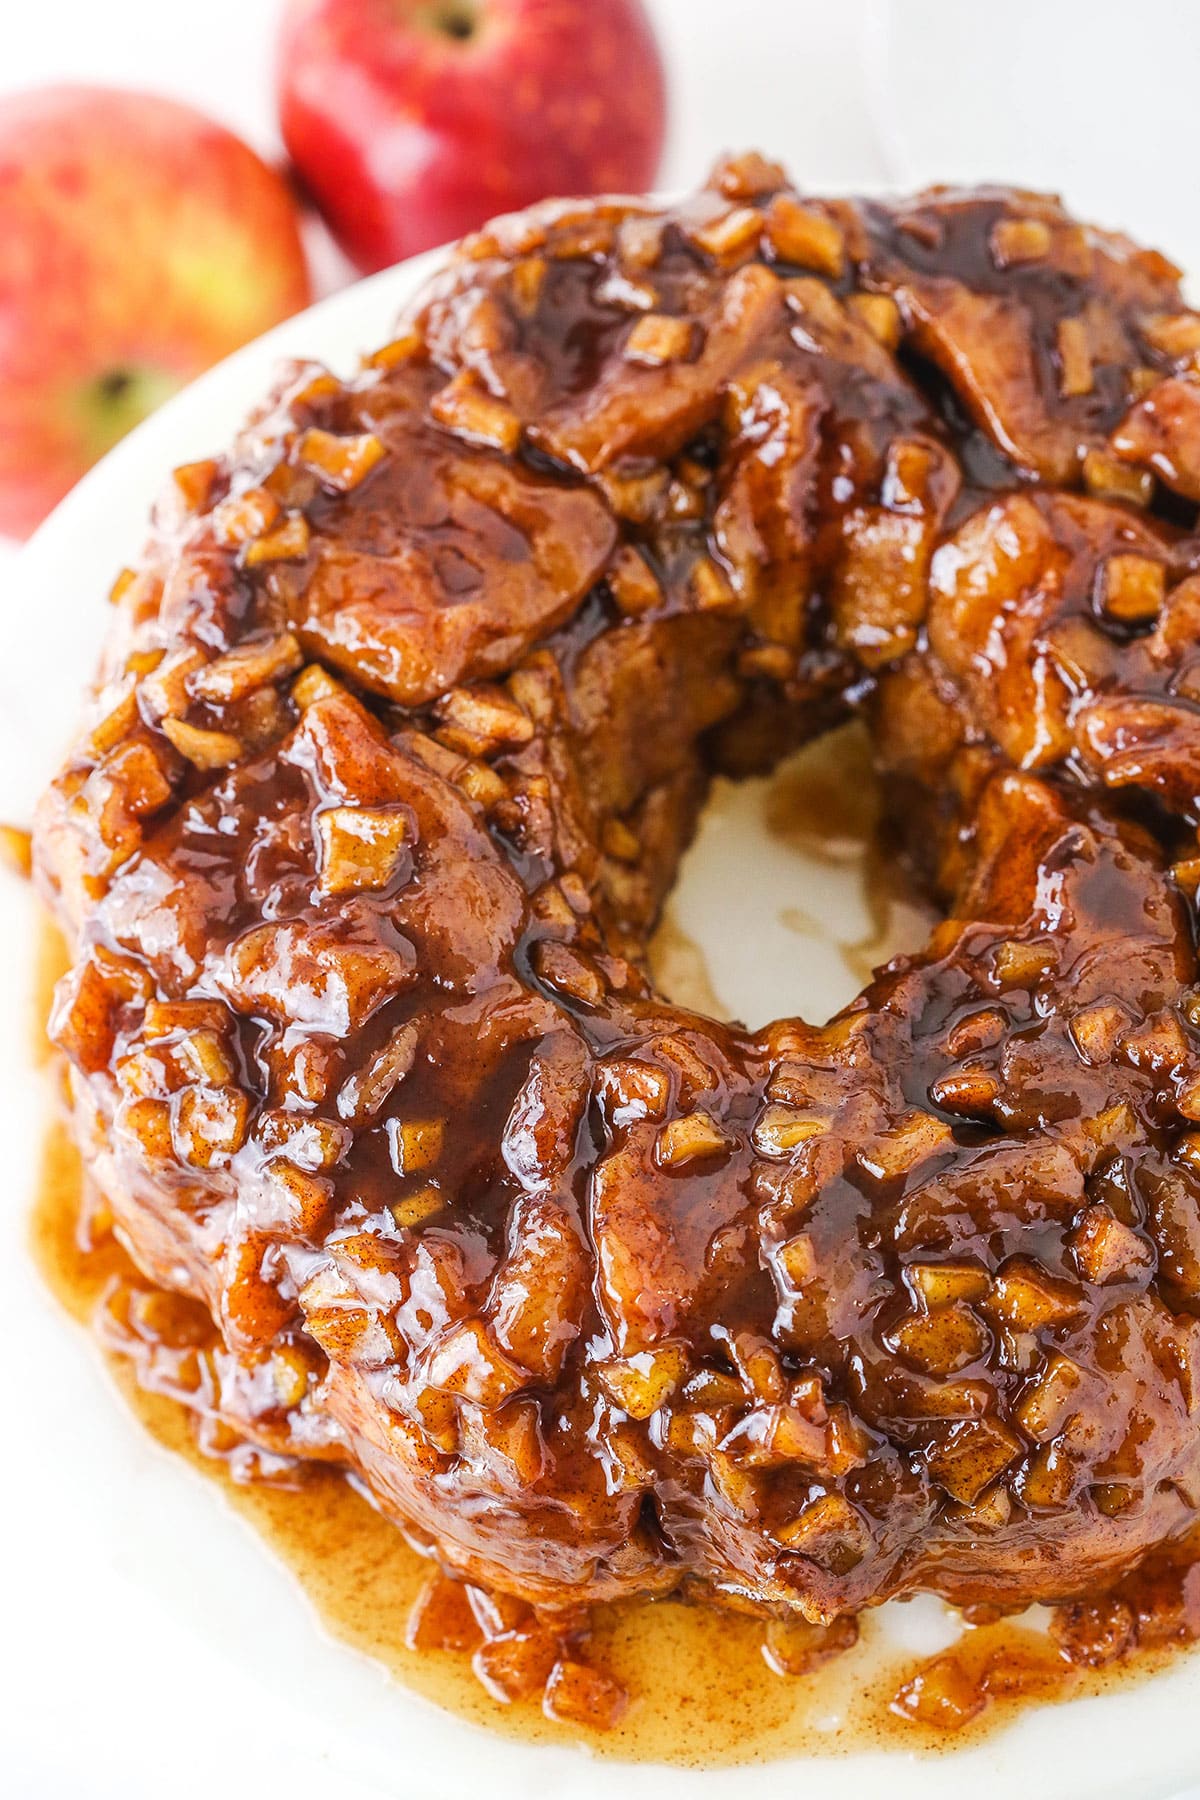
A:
(114, 386)
(118, 400)
(458, 19)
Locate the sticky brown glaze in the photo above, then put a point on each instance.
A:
(405, 719)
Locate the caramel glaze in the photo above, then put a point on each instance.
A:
(704, 1686)
(602, 1297)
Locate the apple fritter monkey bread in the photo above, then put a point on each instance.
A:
(405, 719)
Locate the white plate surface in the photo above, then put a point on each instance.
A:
(153, 1645)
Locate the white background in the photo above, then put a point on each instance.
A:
(208, 1684)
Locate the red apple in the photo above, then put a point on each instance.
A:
(413, 121)
(139, 243)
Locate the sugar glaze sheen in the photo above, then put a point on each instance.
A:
(406, 719)
(703, 1688)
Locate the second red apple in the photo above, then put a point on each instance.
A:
(413, 121)
(139, 243)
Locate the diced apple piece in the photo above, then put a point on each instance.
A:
(640, 1384)
(829, 1531)
(1044, 1409)
(797, 1647)
(468, 1364)
(802, 235)
(969, 1457)
(945, 1695)
(1026, 1297)
(942, 1284)
(579, 1695)
(362, 847)
(1106, 1249)
(941, 1342)
(689, 1139)
(340, 462)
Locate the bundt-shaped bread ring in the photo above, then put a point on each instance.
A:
(405, 719)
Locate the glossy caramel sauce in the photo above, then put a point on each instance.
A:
(682, 539)
(706, 1687)
(702, 1692)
